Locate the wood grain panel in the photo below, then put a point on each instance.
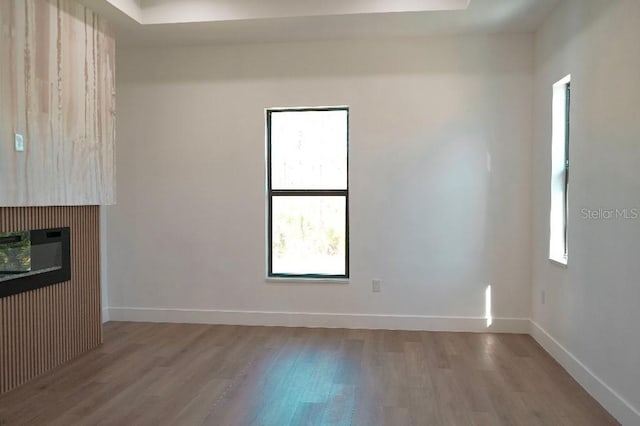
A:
(57, 89)
(44, 328)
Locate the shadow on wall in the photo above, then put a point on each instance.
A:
(275, 61)
(573, 24)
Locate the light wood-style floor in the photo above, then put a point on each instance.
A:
(179, 374)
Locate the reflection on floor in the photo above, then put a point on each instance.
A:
(179, 374)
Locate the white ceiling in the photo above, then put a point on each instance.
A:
(187, 22)
(185, 11)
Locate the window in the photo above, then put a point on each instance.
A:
(559, 217)
(308, 191)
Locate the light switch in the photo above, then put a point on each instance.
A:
(19, 142)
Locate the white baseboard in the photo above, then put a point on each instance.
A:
(622, 410)
(105, 315)
(328, 320)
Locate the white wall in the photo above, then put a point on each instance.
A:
(591, 307)
(440, 178)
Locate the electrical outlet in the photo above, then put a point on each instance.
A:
(19, 142)
(376, 286)
(543, 297)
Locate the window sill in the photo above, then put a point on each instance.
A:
(300, 280)
(560, 261)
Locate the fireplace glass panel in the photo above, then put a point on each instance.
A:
(33, 259)
(15, 252)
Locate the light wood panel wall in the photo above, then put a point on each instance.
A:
(57, 88)
(44, 328)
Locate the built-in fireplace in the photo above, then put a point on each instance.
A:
(33, 259)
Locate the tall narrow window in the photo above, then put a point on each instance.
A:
(559, 218)
(308, 190)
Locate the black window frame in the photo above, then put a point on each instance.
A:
(567, 109)
(304, 193)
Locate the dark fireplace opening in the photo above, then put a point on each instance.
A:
(33, 259)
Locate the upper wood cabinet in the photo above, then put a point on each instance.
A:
(57, 90)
